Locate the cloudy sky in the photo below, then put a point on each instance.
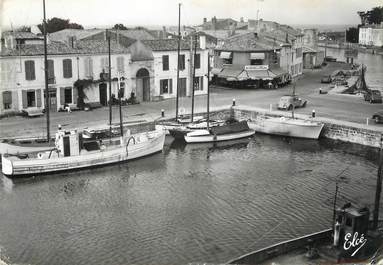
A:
(165, 12)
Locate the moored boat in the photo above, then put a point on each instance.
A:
(230, 131)
(71, 153)
(287, 127)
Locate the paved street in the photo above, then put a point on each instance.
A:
(342, 107)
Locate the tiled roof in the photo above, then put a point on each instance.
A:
(21, 35)
(248, 42)
(54, 48)
(137, 34)
(166, 45)
(63, 35)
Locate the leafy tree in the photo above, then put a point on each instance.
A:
(376, 15)
(24, 29)
(119, 27)
(57, 24)
(352, 35)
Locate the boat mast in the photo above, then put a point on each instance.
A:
(193, 88)
(378, 186)
(110, 84)
(208, 91)
(46, 72)
(119, 102)
(178, 58)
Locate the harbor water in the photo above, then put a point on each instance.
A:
(190, 203)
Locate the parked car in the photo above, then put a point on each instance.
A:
(373, 96)
(290, 101)
(326, 80)
(378, 117)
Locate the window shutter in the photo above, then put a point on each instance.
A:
(90, 65)
(30, 70)
(62, 95)
(120, 64)
(38, 97)
(75, 95)
(197, 61)
(165, 62)
(67, 68)
(51, 70)
(25, 101)
(7, 97)
(170, 86)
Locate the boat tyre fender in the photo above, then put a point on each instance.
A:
(131, 138)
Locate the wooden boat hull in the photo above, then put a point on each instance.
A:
(206, 137)
(288, 127)
(143, 145)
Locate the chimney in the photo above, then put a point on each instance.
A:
(241, 20)
(214, 23)
(204, 20)
(72, 42)
(202, 42)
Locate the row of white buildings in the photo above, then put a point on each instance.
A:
(371, 35)
(78, 61)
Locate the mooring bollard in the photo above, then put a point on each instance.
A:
(59, 127)
(320, 90)
(313, 113)
(367, 121)
(271, 107)
(162, 113)
(233, 101)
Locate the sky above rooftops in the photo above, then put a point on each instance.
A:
(91, 13)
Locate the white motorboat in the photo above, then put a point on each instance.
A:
(309, 129)
(70, 153)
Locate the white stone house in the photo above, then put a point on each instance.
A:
(371, 35)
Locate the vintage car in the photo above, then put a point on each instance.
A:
(326, 80)
(378, 117)
(290, 101)
(373, 96)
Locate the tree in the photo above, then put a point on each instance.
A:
(24, 29)
(57, 24)
(119, 27)
(376, 15)
(352, 35)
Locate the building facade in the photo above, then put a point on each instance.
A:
(371, 35)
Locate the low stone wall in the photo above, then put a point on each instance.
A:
(333, 129)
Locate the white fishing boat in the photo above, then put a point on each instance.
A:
(287, 127)
(236, 130)
(71, 153)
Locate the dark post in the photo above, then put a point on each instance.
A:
(110, 84)
(334, 208)
(178, 58)
(193, 88)
(119, 105)
(208, 91)
(46, 74)
(378, 186)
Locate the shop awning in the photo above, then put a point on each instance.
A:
(278, 71)
(225, 55)
(260, 74)
(257, 56)
(230, 74)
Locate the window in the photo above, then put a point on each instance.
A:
(51, 72)
(182, 62)
(7, 99)
(88, 63)
(299, 53)
(198, 83)
(197, 61)
(30, 70)
(256, 62)
(165, 62)
(105, 64)
(120, 64)
(166, 86)
(67, 68)
(68, 95)
(31, 99)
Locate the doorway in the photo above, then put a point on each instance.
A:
(182, 87)
(103, 94)
(143, 85)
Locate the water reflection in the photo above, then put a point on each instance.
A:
(203, 202)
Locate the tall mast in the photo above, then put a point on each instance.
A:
(178, 58)
(46, 72)
(193, 88)
(110, 84)
(208, 91)
(119, 103)
(378, 186)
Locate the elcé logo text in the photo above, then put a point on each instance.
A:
(354, 242)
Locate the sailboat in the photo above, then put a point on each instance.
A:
(286, 126)
(229, 130)
(72, 152)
